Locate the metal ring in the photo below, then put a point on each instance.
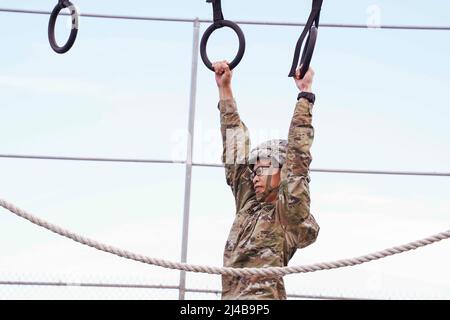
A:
(210, 30)
(51, 26)
(308, 51)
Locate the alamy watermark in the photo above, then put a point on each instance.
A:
(210, 147)
(373, 16)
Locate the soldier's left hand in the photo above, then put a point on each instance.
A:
(304, 84)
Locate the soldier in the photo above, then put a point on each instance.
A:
(271, 188)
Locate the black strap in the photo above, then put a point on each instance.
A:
(313, 18)
(217, 12)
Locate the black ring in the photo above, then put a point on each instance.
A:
(210, 30)
(51, 27)
(308, 51)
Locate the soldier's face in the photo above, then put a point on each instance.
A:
(261, 171)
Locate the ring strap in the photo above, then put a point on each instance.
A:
(217, 12)
(313, 18)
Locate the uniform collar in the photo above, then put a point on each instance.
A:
(267, 206)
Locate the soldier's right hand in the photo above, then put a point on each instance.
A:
(223, 74)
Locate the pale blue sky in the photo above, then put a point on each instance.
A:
(123, 91)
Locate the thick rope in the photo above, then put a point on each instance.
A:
(270, 271)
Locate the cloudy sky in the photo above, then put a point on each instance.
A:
(123, 92)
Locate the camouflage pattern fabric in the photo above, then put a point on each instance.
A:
(266, 234)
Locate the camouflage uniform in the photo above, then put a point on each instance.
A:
(266, 234)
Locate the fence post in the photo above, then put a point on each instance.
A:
(187, 183)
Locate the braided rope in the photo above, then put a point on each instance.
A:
(271, 271)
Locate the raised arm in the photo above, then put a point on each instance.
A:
(293, 206)
(235, 139)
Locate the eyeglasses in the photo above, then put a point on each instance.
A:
(263, 171)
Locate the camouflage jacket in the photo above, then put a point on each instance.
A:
(266, 234)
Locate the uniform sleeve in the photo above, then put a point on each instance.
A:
(293, 205)
(236, 144)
